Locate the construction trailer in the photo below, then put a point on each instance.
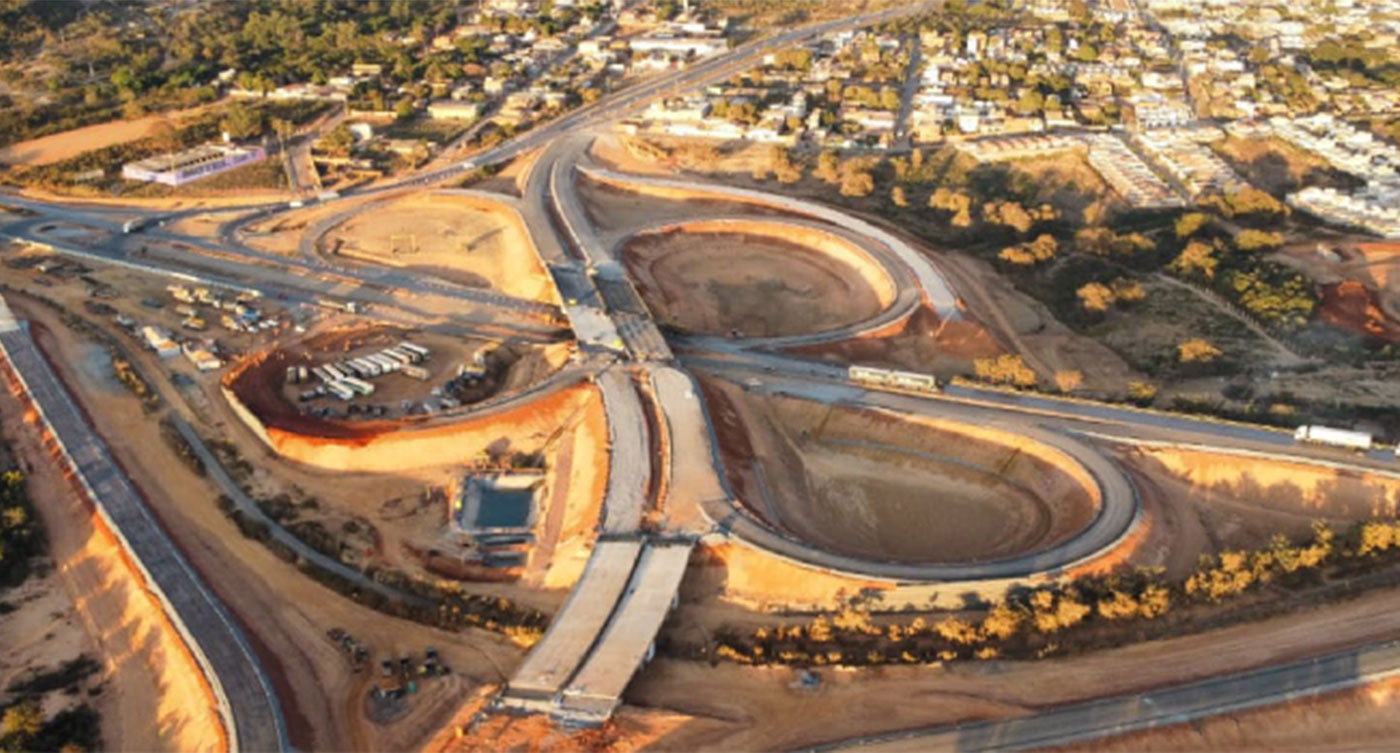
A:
(417, 372)
(340, 390)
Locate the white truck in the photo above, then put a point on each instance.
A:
(891, 379)
(1327, 435)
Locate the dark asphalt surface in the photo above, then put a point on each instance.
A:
(248, 700)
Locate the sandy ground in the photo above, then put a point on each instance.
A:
(871, 485)
(1199, 503)
(745, 708)
(615, 210)
(285, 613)
(715, 283)
(629, 730)
(61, 146)
(455, 239)
(577, 482)
(1360, 719)
(153, 697)
(398, 517)
(923, 344)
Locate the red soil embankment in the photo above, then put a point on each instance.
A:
(1349, 305)
(389, 446)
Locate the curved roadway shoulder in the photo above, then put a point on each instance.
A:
(937, 291)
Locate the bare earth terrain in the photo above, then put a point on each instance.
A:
(873, 485)
(449, 237)
(715, 283)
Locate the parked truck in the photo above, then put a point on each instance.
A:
(1327, 435)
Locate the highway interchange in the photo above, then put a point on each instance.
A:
(605, 630)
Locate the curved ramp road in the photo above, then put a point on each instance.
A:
(629, 463)
(243, 692)
(935, 288)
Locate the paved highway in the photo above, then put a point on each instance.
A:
(246, 699)
(1119, 715)
(606, 627)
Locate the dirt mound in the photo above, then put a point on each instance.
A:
(1351, 306)
(464, 239)
(873, 485)
(715, 283)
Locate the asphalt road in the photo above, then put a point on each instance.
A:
(1159, 708)
(247, 700)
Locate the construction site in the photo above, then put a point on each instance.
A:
(593, 458)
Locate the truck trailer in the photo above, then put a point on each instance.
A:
(1327, 435)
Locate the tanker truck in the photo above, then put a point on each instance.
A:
(1351, 440)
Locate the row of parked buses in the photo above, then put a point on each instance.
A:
(910, 381)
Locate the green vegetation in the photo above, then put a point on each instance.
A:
(24, 728)
(73, 174)
(21, 538)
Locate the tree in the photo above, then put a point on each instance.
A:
(338, 142)
(1142, 393)
(889, 98)
(1196, 259)
(1127, 291)
(21, 723)
(1004, 369)
(1197, 350)
(828, 167)
(1102, 241)
(955, 202)
(856, 181)
(1008, 213)
(1188, 224)
(1002, 621)
(242, 122)
(956, 631)
(1246, 201)
(1025, 254)
(1068, 380)
(1095, 296)
(898, 198)
(1258, 240)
